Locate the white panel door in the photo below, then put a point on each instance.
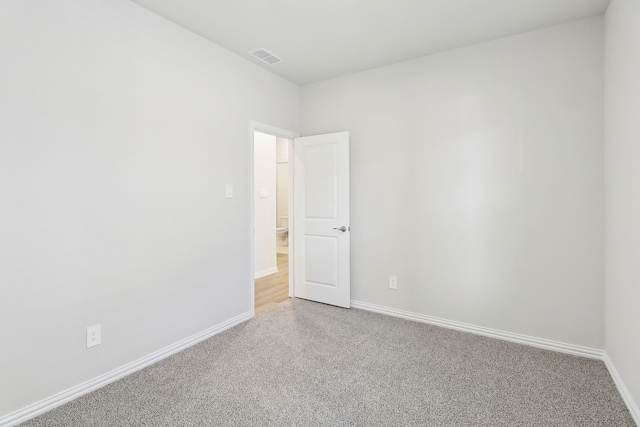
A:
(321, 219)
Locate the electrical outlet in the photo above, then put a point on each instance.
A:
(393, 282)
(94, 335)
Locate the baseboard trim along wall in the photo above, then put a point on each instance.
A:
(622, 388)
(52, 402)
(487, 332)
(266, 272)
(517, 338)
(45, 405)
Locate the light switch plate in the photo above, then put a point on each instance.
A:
(264, 192)
(229, 191)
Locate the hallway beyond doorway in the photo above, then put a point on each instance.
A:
(273, 289)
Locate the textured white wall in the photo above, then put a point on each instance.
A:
(264, 208)
(118, 133)
(283, 195)
(282, 149)
(282, 155)
(622, 195)
(477, 179)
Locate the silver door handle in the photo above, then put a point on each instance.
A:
(343, 228)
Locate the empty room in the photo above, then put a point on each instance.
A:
(458, 243)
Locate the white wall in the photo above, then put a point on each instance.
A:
(282, 149)
(477, 179)
(264, 208)
(118, 133)
(282, 157)
(622, 200)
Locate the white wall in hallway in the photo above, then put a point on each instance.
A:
(622, 195)
(264, 208)
(118, 133)
(477, 180)
(282, 157)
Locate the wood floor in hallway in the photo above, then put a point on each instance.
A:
(273, 289)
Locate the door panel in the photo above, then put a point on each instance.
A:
(321, 219)
(321, 255)
(320, 181)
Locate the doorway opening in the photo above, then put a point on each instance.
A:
(271, 213)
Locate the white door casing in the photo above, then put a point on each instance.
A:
(321, 219)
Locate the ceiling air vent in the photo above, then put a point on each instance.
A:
(265, 56)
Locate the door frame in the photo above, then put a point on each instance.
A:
(255, 126)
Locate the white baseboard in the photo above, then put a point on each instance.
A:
(517, 338)
(45, 405)
(622, 388)
(487, 332)
(265, 272)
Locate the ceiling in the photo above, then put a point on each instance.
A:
(321, 39)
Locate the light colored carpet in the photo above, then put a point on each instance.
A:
(308, 364)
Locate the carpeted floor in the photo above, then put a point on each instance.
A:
(308, 364)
